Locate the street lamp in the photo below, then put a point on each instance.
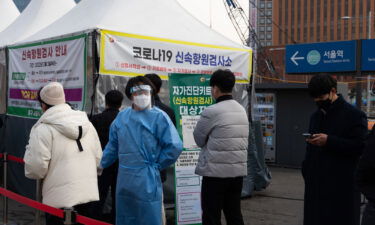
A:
(359, 85)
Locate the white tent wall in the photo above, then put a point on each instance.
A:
(91, 73)
(8, 13)
(37, 15)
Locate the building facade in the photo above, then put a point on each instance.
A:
(282, 22)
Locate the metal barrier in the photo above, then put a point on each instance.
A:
(38, 197)
(5, 199)
(69, 215)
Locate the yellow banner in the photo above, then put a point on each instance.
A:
(132, 55)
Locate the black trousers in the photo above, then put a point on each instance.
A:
(369, 214)
(221, 194)
(106, 180)
(82, 209)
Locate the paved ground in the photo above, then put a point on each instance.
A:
(280, 204)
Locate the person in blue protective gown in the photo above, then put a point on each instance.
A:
(145, 141)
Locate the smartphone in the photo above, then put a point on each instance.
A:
(307, 135)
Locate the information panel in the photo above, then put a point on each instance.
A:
(321, 57)
(190, 94)
(35, 65)
(368, 55)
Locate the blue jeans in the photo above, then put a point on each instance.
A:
(369, 214)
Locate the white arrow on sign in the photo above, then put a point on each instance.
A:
(294, 58)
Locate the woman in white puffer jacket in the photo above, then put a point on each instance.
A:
(64, 150)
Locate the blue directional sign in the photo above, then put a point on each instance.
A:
(368, 55)
(321, 57)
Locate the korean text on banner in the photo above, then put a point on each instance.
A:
(190, 94)
(33, 66)
(133, 55)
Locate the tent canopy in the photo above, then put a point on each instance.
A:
(37, 15)
(8, 13)
(156, 18)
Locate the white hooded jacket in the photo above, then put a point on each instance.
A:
(69, 175)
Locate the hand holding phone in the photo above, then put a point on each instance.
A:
(307, 135)
(319, 139)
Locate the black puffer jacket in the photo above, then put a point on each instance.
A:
(170, 113)
(102, 123)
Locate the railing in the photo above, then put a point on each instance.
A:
(69, 215)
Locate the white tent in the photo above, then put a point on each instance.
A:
(213, 14)
(164, 22)
(37, 15)
(156, 18)
(8, 13)
(159, 19)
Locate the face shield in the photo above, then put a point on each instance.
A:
(141, 90)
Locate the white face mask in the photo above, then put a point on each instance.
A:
(142, 101)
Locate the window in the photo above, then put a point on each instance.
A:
(269, 21)
(262, 29)
(269, 5)
(261, 36)
(269, 28)
(269, 12)
(261, 20)
(262, 5)
(269, 43)
(269, 36)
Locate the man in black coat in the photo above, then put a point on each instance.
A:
(339, 131)
(366, 179)
(108, 178)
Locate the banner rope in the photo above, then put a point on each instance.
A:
(40, 206)
(16, 159)
(33, 204)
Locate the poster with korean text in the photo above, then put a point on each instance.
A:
(132, 55)
(190, 94)
(34, 65)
